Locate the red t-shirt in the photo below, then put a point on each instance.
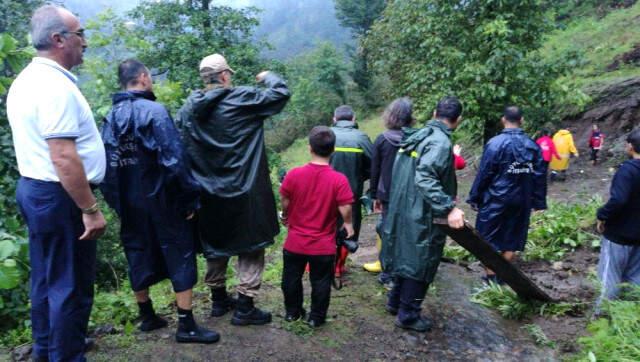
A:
(314, 193)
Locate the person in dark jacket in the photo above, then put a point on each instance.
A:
(352, 157)
(397, 115)
(618, 221)
(423, 188)
(511, 181)
(224, 136)
(149, 185)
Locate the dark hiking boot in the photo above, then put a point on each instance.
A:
(149, 319)
(221, 302)
(391, 309)
(197, 335)
(419, 325)
(247, 314)
(189, 332)
(292, 317)
(314, 323)
(151, 323)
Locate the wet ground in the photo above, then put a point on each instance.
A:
(359, 329)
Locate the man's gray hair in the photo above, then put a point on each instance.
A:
(46, 20)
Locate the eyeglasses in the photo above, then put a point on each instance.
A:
(79, 33)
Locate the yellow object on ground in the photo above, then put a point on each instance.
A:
(376, 266)
(563, 140)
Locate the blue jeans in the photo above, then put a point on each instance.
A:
(62, 270)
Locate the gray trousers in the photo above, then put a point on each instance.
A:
(618, 264)
(249, 271)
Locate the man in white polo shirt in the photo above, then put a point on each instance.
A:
(60, 156)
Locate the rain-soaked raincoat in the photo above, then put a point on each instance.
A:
(563, 140)
(224, 136)
(352, 157)
(149, 185)
(423, 188)
(510, 183)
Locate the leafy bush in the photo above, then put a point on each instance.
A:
(510, 306)
(617, 337)
(561, 228)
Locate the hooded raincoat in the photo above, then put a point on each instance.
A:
(510, 183)
(563, 140)
(224, 136)
(352, 157)
(423, 188)
(149, 185)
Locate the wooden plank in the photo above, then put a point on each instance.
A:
(469, 239)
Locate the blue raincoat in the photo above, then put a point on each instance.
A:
(149, 185)
(510, 183)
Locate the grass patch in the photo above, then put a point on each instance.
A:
(562, 228)
(616, 337)
(598, 41)
(538, 335)
(504, 300)
(457, 253)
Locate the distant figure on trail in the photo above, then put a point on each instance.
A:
(352, 157)
(149, 185)
(458, 161)
(397, 115)
(618, 221)
(548, 148)
(596, 142)
(312, 198)
(563, 140)
(60, 159)
(423, 188)
(511, 182)
(223, 130)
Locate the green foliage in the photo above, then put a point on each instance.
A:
(182, 33)
(14, 17)
(563, 227)
(504, 300)
(457, 253)
(538, 335)
(598, 41)
(616, 337)
(485, 52)
(317, 81)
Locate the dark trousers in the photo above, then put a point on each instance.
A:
(320, 276)
(407, 296)
(62, 270)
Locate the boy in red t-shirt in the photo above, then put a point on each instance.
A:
(312, 197)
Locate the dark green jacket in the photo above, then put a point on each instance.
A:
(353, 159)
(223, 130)
(423, 188)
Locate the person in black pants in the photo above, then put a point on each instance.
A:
(312, 197)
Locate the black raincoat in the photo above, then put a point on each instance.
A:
(224, 137)
(149, 185)
(510, 183)
(423, 188)
(352, 157)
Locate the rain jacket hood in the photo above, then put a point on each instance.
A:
(223, 132)
(394, 136)
(423, 188)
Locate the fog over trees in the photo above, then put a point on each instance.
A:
(290, 26)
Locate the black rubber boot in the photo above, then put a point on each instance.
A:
(221, 302)
(189, 332)
(419, 325)
(150, 321)
(247, 314)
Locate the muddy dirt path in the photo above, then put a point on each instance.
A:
(359, 329)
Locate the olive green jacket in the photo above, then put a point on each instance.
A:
(423, 188)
